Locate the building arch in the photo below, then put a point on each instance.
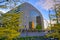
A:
(27, 8)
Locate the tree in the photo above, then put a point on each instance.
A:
(8, 3)
(56, 27)
(39, 27)
(11, 25)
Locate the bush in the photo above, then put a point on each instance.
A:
(39, 27)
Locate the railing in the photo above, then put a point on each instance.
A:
(31, 30)
(36, 38)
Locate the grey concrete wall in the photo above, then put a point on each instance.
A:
(24, 34)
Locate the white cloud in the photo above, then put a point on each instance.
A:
(46, 4)
(4, 10)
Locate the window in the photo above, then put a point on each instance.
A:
(32, 16)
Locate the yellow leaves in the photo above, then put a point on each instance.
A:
(10, 33)
(13, 33)
(12, 19)
(56, 33)
(11, 22)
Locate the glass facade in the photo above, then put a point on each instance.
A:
(32, 15)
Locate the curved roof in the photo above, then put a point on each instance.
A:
(31, 7)
(26, 7)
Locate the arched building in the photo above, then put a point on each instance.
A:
(31, 16)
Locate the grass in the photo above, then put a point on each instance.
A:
(31, 38)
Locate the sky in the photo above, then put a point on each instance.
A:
(42, 5)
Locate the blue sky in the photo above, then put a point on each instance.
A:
(43, 10)
(36, 4)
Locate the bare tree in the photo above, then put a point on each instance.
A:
(10, 3)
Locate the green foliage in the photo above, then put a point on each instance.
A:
(31, 38)
(56, 33)
(8, 33)
(56, 27)
(39, 27)
(11, 25)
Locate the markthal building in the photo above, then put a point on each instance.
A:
(31, 16)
